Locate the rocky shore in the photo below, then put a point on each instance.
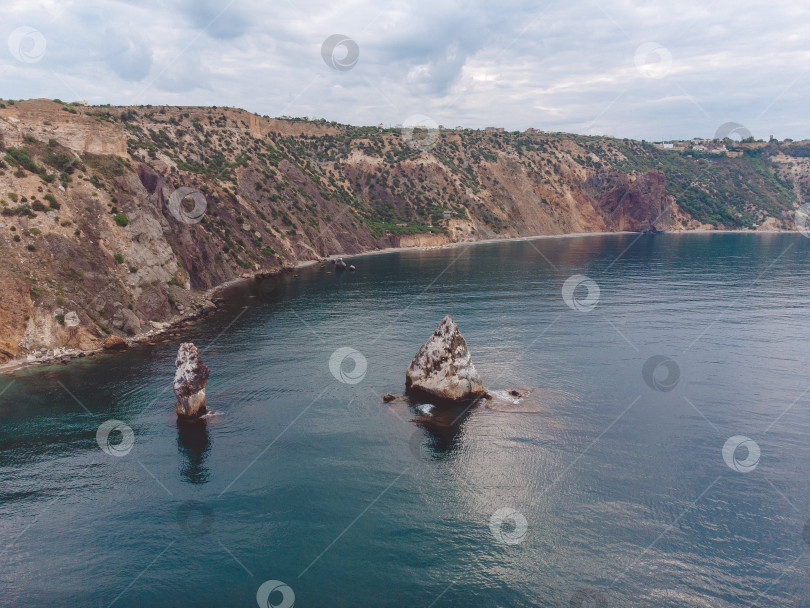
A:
(199, 306)
(196, 307)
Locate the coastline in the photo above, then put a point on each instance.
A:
(539, 237)
(64, 356)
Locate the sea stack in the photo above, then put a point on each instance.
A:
(442, 370)
(190, 380)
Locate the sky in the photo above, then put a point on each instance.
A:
(644, 70)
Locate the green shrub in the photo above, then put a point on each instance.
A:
(119, 259)
(31, 248)
(60, 319)
(121, 219)
(23, 159)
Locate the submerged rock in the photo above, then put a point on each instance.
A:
(190, 381)
(442, 370)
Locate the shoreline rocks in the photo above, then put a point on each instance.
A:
(114, 343)
(126, 320)
(442, 371)
(190, 381)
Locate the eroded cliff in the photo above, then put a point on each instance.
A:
(97, 238)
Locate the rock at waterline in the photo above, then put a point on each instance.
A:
(340, 264)
(190, 381)
(442, 370)
(352, 268)
(114, 343)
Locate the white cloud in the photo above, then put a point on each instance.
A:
(552, 65)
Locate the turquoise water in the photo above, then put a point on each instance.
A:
(618, 491)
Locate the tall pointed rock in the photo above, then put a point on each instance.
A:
(442, 370)
(190, 381)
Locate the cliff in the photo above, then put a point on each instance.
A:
(98, 239)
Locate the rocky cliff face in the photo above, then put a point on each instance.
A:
(123, 217)
(634, 204)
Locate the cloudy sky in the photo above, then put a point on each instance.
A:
(647, 70)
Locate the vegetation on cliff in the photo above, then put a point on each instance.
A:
(88, 224)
